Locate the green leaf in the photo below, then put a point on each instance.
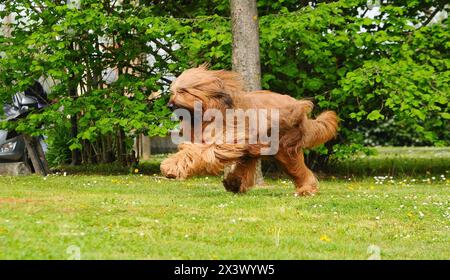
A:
(446, 115)
(374, 115)
(75, 146)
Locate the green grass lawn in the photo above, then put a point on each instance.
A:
(397, 161)
(146, 217)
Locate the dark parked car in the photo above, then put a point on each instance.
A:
(12, 145)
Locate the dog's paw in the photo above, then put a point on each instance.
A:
(171, 171)
(307, 190)
(233, 184)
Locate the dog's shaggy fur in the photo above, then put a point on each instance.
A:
(223, 90)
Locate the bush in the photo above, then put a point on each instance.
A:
(371, 70)
(58, 140)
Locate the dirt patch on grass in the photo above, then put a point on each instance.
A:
(13, 200)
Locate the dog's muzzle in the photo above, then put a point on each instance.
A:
(171, 106)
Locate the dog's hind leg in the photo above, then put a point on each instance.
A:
(242, 176)
(305, 181)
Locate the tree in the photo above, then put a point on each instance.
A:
(75, 46)
(245, 46)
(245, 50)
(382, 67)
(386, 72)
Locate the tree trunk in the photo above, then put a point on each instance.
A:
(146, 147)
(121, 147)
(76, 154)
(36, 155)
(245, 50)
(245, 29)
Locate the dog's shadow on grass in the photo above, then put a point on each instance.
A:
(257, 191)
(199, 187)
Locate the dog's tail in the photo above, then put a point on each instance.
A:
(318, 131)
(308, 133)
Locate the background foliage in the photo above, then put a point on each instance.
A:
(385, 70)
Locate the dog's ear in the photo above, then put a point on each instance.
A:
(224, 99)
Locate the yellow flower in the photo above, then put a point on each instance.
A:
(325, 238)
(136, 170)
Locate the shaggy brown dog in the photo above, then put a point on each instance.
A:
(223, 90)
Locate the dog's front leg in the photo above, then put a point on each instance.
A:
(193, 159)
(185, 163)
(174, 166)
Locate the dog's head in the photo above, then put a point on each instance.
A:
(213, 89)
